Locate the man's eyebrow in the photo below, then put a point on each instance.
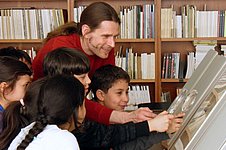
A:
(107, 34)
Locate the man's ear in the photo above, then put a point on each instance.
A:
(85, 30)
(100, 95)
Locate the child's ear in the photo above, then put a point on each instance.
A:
(100, 95)
(3, 85)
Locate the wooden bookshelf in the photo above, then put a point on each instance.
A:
(157, 45)
(185, 45)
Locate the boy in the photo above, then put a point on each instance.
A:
(110, 86)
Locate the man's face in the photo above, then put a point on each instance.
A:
(117, 96)
(102, 40)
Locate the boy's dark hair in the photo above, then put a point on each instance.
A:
(65, 61)
(50, 100)
(105, 76)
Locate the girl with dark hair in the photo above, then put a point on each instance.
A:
(51, 107)
(67, 61)
(14, 79)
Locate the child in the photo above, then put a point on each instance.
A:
(14, 79)
(51, 106)
(71, 62)
(110, 88)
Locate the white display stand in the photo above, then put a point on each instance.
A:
(197, 99)
(212, 133)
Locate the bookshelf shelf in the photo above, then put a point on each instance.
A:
(30, 0)
(142, 81)
(174, 80)
(37, 41)
(192, 39)
(34, 3)
(134, 40)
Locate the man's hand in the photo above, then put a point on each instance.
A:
(142, 114)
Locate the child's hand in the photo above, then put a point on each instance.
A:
(176, 123)
(161, 122)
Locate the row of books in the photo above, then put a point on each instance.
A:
(136, 21)
(29, 23)
(138, 94)
(138, 66)
(175, 68)
(192, 23)
(143, 66)
(77, 12)
(170, 65)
